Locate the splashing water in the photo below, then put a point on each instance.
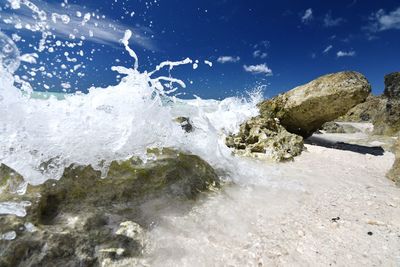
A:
(9, 54)
(40, 138)
(270, 216)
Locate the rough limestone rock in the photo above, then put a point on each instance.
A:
(392, 85)
(333, 127)
(366, 111)
(84, 220)
(394, 173)
(387, 120)
(304, 109)
(265, 138)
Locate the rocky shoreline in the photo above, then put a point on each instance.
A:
(84, 219)
(289, 117)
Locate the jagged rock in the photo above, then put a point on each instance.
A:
(394, 173)
(392, 85)
(84, 220)
(265, 137)
(333, 127)
(304, 109)
(10, 181)
(366, 111)
(387, 120)
(185, 123)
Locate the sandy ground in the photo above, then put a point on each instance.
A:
(330, 207)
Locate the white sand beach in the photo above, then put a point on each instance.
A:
(329, 207)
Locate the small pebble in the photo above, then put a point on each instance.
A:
(370, 233)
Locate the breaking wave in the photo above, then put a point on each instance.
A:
(41, 136)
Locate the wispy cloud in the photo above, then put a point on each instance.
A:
(381, 21)
(329, 21)
(308, 16)
(259, 54)
(258, 69)
(70, 22)
(327, 49)
(345, 53)
(260, 49)
(228, 59)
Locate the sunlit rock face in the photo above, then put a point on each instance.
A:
(83, 219)
(305, 108)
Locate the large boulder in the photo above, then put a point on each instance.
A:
(394, 173)
(392, 85)
(86, 220)
(304, 109)
(265, 138)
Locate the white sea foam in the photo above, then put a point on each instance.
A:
(42, 137)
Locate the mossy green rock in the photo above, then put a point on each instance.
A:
(77, 219)
(394, 173)
(305, 108)
(265, 138)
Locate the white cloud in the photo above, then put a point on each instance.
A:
(227, 59)
(327, 49)
(381, 21)
(345, 54)
(308, 16)
(331, 22)
(259, 54)
(258, 69)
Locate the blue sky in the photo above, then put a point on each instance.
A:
(279, 44)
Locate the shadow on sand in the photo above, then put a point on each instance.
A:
(374, 150)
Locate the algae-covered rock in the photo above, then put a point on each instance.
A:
(84, 220)
(265, 138)
(10, 181)
(305, 108)
(394, 173)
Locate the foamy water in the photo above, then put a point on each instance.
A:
(42, 137)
